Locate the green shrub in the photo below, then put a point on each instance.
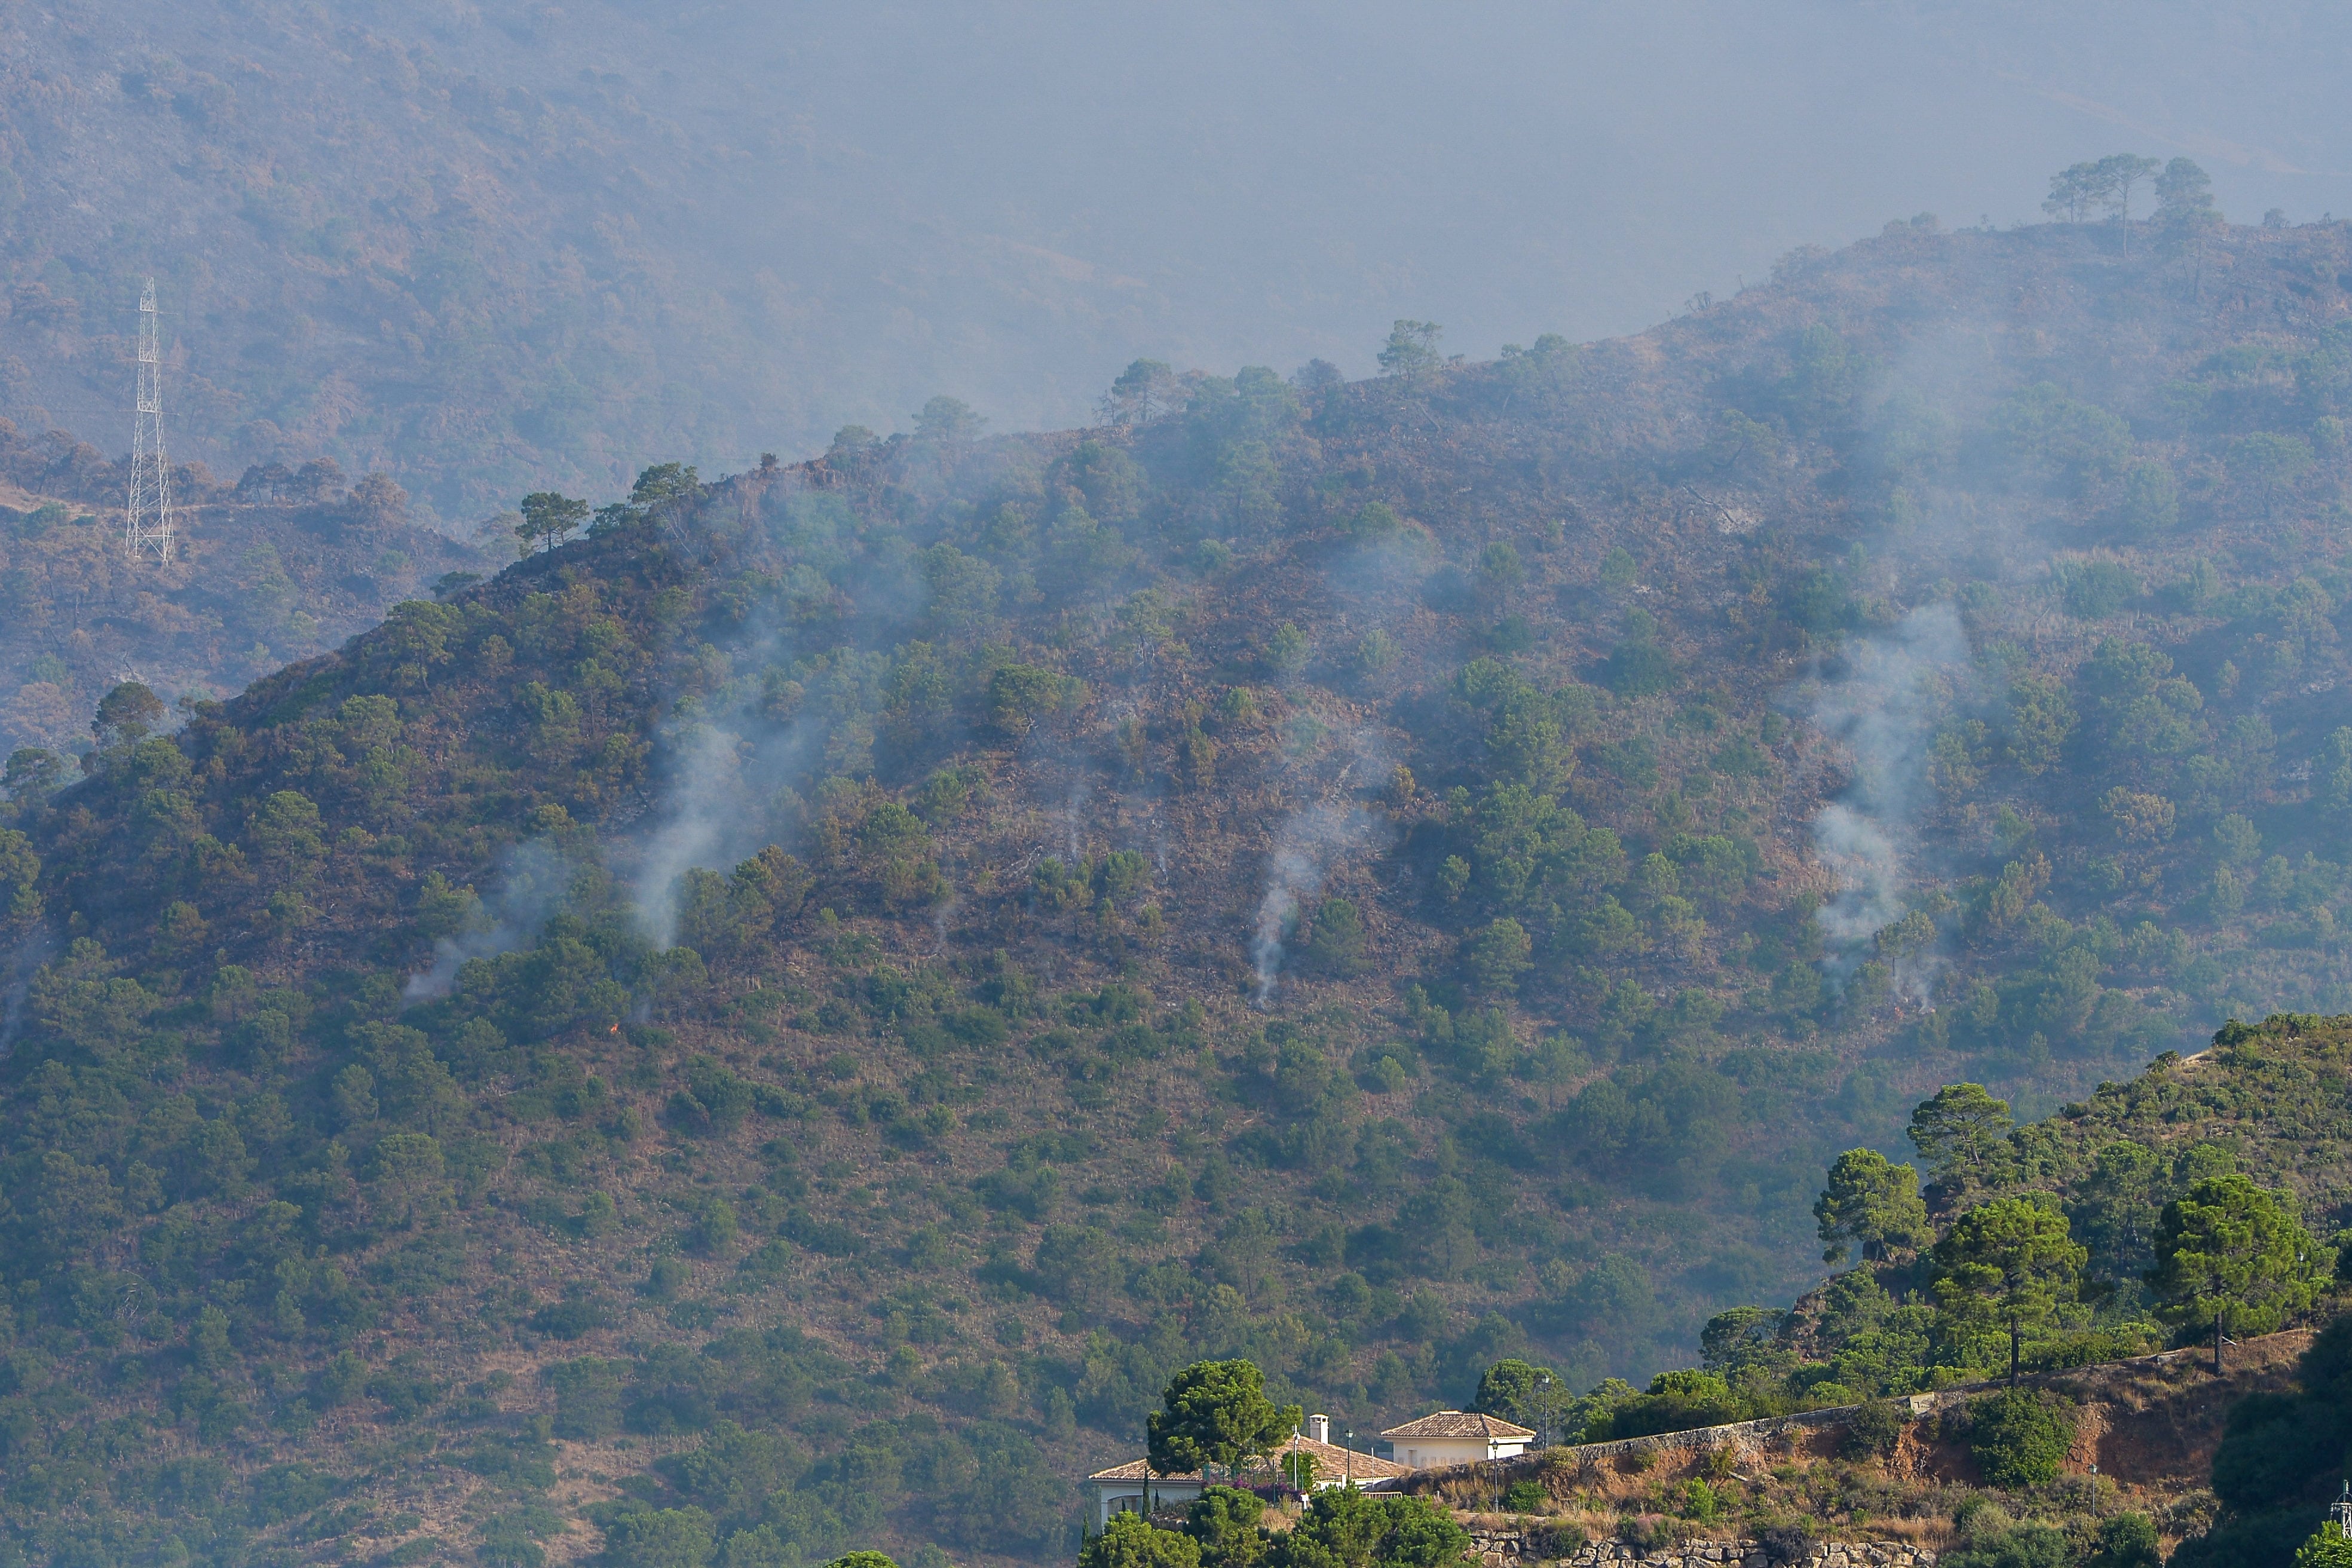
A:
(570, 1320)
(2020, 1437)
(587, 1398)
(1694, 1500)
(1679, 1401)
(1525, 1497)
(1873, 1431)
(2094, 590)
(1556, 1539)
(2020, 1546)
(1644, 1532)
(2128, 1541)
(658, 1538)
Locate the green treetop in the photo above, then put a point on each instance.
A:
(1216, 1412)
(126, 716)
(1533, 1396)
(1131, 1540)
(1344, 1528)
(1224, 1520)
(2326, 1548)
(665, 484)
(2118, 173)
(2007, 1261)
(2129, 1541)
(547, 517)
(2184, 196)
(1412, 348)
(2076, 190)
(1871, 1206)
(2073, 191)
(2230, 1255)
(1961, 1123)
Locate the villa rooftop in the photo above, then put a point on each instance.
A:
(1458, 1424)
(1331, 1461)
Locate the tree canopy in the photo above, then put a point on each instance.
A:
(1216, 1413)
(1959, 1125)
(1871, 1206)
(2008, 1261)
(1345, 1527)
(2231, 1255)
(1522, 1392)
(1131, 1540)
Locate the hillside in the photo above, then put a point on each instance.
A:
(2146, 1436)
(814, 998)
(1875, 1403)
(282, 563)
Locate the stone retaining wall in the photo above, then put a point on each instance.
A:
(1496, 1548)
(1499, 1473)
(1760, 1434)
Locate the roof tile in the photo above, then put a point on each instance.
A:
(1458, 1424)
(1330, 1459)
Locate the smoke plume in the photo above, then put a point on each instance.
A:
(533, 878)
(1883, 706)
(702, 799)
(1305, 850)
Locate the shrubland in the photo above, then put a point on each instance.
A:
(778, 1024)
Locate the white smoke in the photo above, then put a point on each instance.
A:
(533, 878)
(1305, 850)
(731, 773)
(705, 796)
(1307, 846)
(1884, 707)
(729, 797)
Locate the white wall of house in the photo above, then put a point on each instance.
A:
(1423, 1452)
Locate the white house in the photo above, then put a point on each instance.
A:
(1455, 1437)
(1120, 1490)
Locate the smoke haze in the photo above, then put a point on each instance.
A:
(752, 224)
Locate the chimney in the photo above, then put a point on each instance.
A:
(1318, 1428)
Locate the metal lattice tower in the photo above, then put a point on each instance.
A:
(147, 516)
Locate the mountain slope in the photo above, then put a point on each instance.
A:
(280, 564)
(876, 961)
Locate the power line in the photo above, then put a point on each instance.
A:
(147, 516)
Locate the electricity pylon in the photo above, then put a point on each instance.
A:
(147, 515)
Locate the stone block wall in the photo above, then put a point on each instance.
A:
(1496, 1548)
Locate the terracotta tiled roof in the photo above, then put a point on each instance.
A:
(1330, 1461)
(1457, 1423)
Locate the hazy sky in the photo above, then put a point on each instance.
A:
(1234, 183)
(1518, 162)
(866, 204)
